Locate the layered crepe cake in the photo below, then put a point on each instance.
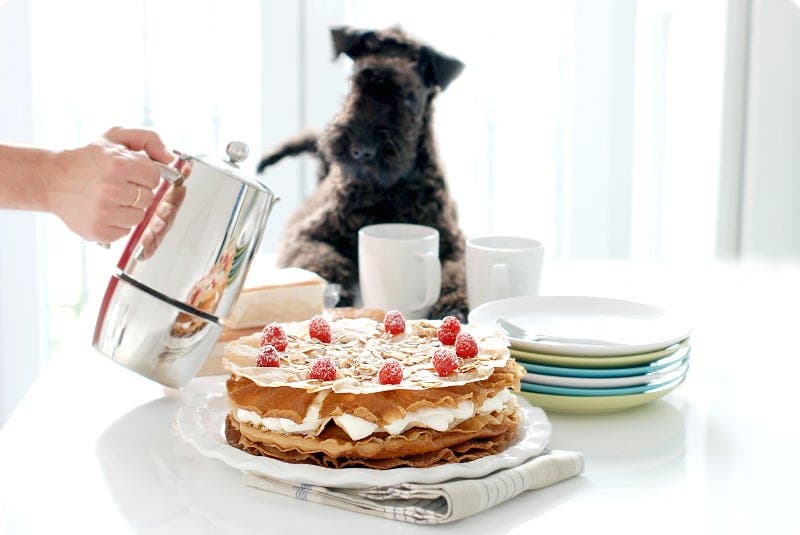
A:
(426, 415)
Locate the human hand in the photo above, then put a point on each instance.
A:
(165, 212)
(101, 190)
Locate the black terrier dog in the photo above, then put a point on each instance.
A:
(378, 164)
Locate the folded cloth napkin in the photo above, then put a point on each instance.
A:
(440, 502)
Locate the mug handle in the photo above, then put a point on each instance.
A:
(499, 281)
(433, 279)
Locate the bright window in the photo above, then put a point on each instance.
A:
(188, 69)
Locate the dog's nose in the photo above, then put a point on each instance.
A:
(362, 151)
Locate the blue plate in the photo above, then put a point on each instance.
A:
(564, 371)
(583, 392)
(595, 404)
(621, 361)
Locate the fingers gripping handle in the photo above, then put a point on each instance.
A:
(168, 173)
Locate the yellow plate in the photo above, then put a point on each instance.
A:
(596, 362)
(595, 404)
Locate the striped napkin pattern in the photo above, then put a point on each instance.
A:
(440, 502)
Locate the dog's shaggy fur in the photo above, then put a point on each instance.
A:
(378, 165)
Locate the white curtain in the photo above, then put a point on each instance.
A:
(22, 303)
(69, 71)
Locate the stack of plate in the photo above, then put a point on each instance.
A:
(591, 354)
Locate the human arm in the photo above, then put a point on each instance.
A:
(92, 188)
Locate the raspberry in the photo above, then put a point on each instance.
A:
(466, 346)
(274, 335)
(320, 329)
(268, 357)
(394, 322)
(448, 330)
(391, 372)
(323, 370)
(445, 362)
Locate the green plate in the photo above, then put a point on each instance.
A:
(596, 404)
(596, 362)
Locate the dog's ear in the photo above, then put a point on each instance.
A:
(437, 68)
(350, 41)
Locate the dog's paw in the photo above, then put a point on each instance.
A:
(346, 298)
(439, 312)
(452, 302)
(345, 301)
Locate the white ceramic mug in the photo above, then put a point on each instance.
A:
(502, 266)
(398, 268)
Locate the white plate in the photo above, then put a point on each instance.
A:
(200, 422)
(660, 376)
(629, 327)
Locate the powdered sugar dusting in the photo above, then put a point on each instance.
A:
(358, 349)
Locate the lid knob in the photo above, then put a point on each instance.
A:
(237, 151)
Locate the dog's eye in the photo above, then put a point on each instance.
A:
(383, 134)
(410, 101)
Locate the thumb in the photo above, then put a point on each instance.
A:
(141, 139)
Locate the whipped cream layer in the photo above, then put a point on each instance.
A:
(438, 418)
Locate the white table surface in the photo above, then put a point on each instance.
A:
(91, 448)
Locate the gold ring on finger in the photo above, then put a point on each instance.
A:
(138, 196)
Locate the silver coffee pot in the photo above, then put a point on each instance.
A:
(183, 267)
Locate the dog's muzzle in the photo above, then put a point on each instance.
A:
(363, 152)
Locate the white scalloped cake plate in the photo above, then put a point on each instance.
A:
(201, 423)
